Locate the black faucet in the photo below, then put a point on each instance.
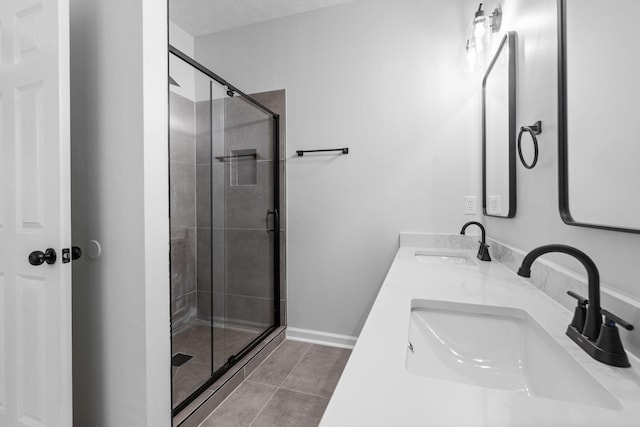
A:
(602, 342)
(483, 251)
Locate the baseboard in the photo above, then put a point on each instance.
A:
(319, 337)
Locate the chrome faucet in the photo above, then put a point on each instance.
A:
(600, 341)
(483, 250)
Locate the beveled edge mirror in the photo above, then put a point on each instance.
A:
(508, 41)
(563, 133)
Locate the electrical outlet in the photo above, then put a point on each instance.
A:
(495, 205)
(470, 205)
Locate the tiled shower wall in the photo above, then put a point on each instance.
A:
(276, 101)
(182, 210)
(211, 242)
(242, 295)
(226, 251)
(206, 248)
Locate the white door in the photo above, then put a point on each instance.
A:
(35, 301)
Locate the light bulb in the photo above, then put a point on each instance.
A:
(479, 28)
(480, 24)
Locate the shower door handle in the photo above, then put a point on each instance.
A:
(276, 220)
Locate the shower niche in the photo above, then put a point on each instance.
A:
(226, 194)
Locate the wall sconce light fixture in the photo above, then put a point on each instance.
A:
(483, 26)
(496, 19)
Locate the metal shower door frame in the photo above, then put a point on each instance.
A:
(233, 360)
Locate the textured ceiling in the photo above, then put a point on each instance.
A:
(199, 17)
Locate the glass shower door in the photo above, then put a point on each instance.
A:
(189, 173)
(247, 165)
(224, 244)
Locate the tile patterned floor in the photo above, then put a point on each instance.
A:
(195, 340)
(291, 387)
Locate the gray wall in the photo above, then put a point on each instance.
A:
(388, 79)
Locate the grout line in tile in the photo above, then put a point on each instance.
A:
(263, 362)
(276, 388)
(264, 406)
(304, 392)
(282, 388)
(244, 379)
(295, 366)
(259, 383)
(224, 400)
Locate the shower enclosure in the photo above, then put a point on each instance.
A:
(225, 239)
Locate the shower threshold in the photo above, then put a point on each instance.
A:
(204, 402)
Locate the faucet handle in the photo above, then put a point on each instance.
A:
(611, 319)
(483, 252)
(580, 313)
(609, 341)
(582, 301)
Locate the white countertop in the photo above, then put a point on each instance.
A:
(376, 390)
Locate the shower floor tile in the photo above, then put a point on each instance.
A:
(195, 340)
(291, 387)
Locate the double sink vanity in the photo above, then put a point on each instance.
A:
(456, 337)
(453, 340)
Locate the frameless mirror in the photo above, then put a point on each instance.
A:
(499, 132)
(598, 114)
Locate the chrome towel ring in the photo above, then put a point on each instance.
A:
(535, 129)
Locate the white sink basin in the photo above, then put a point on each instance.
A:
(499, 348)
(444, 258)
